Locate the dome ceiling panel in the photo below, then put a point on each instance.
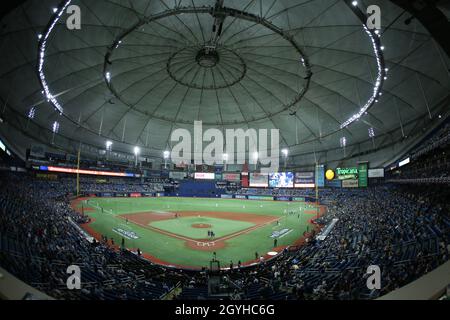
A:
(164, 76)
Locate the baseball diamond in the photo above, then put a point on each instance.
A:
(234, 229)
(224, 150)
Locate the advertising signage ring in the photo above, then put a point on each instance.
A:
(87, 172)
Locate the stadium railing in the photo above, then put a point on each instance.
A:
(431, 286)
(12, 288)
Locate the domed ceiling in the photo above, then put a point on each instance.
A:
(137, 70)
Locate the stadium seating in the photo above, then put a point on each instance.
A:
(391, 226)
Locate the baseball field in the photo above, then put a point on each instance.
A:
(189, 232)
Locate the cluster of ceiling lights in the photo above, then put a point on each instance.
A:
(32, 113)
(136, 150)
(381, 75)
(55, 127)
(42, 48)
(58, 12)
(343, 142)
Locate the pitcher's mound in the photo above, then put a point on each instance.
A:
(201, 226)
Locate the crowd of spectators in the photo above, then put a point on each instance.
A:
(431, 167)
(90, 185)
(438, 139)
(40, 238)
(429, 164)
(403, 230)
(394, 229)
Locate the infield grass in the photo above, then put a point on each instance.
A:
(186, 226)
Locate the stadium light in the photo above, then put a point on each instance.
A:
(55, 127)
(166, 158)
(285, 152)
(378, 50)
(43, 38)
(109, 145)
(55, 130)
(255, 158)
(225, 161)
(137, 150)
(32, 113)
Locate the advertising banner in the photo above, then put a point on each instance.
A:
(152, 174)
(106, 195)
(232, 177)
(122, 195)
(35, 151)
(86, 172)
(260, 198)
(404, 162)
(363, 176)
(283, 198)
(150, 195)
(176, 175)
(320, 174)
(259, 180)
(305, 179)
(347, 173)
(376, 173)
(204, 176)
(333, 183)
(135, 195)
(350, 184)
(43, 176)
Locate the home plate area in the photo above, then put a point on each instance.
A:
(204, 231)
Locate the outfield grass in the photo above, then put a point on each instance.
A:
(175, 251)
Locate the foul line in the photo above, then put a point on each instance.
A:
(174, 235)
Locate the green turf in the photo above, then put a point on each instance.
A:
(174, 251)
(183, 226)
